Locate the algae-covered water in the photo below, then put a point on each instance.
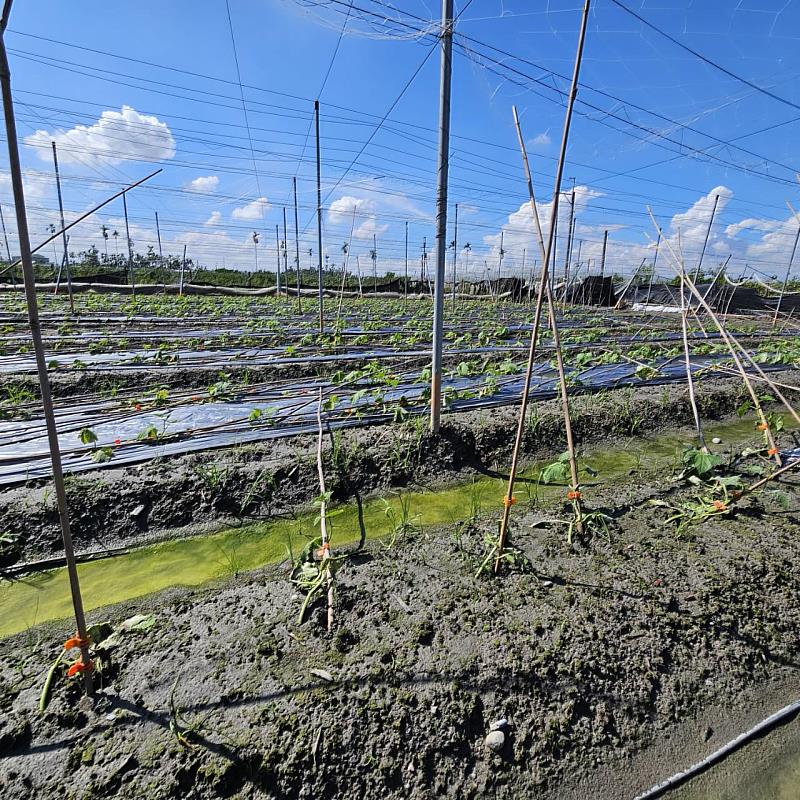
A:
(193, 561)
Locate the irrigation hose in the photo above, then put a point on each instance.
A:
(743, 738)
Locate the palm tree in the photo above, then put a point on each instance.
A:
(255, 247)
(104, 230)
(116, 245)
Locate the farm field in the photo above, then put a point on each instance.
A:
(191, 468)
(400, 401)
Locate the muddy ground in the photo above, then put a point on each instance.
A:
(119, 507)
(598, 655)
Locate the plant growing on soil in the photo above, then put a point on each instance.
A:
(180, 726)
(102, 639)
(400, 519)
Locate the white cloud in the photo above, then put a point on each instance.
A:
(341, 210)
(214, 219)
(369, 228)
(203, 184)
(116, 136)
(254, 210)
(541, 140)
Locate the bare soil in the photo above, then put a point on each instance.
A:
(597, 655)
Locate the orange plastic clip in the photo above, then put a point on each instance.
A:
(720, 506)
(79, 666)
(762, 426)
(573, 495)
(76, 641)
(773, 451)
(509, 501)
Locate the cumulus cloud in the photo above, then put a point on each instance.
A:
(214, 219)
(341, 210)
(203, 184)
(370, 228)
(116, 136)
(254, 210)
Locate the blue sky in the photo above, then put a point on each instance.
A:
(654, 125)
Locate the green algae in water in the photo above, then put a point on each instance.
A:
(194, 561)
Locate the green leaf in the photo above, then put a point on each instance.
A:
(87, 436)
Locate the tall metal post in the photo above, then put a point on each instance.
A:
(38, 348)
(8, 249)
(183, 272)
(158, 234)
(319, 223)
(570, 231)
(786, 279)
(705, 241)
(374, 264)
(455, 254)
(130, 249)
(603, 256)
(278, 253)
(405, 291)
(286, 256)
(446, 37)
(297, 246)
(64, 233)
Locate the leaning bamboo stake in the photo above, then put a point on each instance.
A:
(689, 379)
(81, 638)
(508, 499)
(323, 522)
(726, 337)
(575, 493)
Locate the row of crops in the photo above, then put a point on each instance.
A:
(253, 369)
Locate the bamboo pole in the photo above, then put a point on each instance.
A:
(726, 336)
(689, 379)
(503, 535)
(323, 522)
(38, 348)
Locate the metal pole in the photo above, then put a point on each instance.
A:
(38, 348)
(183, 271)
(441, 211)
(297, 246)
(374, 264)
(653, 273)
(406, 284)
(570, 231)
(455, 255)
(278, 253)
(603, 256)
(285, 254)
(130, 249)
(8, 250)
(158, 233)
(786, 279)
(66, 248)
(705, 241)
(319, 223)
